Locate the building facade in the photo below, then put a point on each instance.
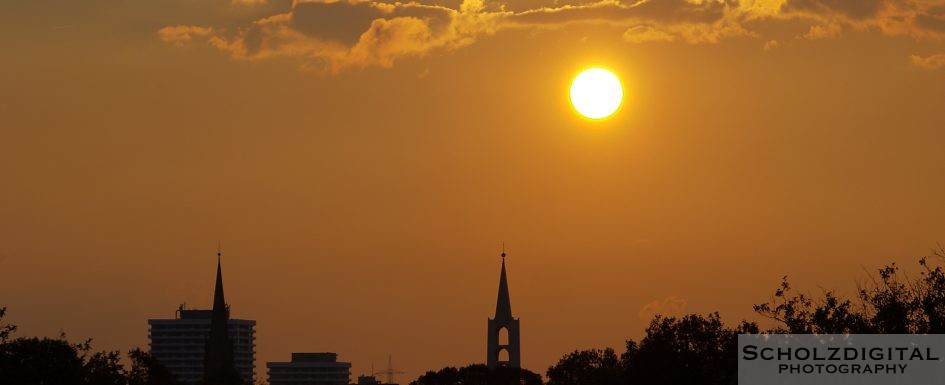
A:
(310, 369)
(197, 340)
(502, 333)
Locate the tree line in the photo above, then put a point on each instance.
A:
(56, 361)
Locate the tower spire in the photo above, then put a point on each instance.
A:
(219, 302)
(503, 305)
(218, 365)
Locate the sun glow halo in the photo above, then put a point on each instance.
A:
(596, 93)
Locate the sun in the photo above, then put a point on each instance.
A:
(596, 93)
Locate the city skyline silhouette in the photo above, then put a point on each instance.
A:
(214, 364)
(687, 348)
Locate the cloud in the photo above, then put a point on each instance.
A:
(691, 21)
(180, 34)
(922, 19)
(694, 11)
(645, 33)
(932, 62)
(827, 31)
(334, 35)
(340, 21)
(770, 45)
(670, 307)
(337, 35)
(855, 9)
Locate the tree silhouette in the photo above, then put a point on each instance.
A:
(700, 350)
(800, 314)
(147, 370)
(890, 304)
(587, 367)
(479, 374)
(42, 361)
(688, 350)
(5, 329)
(105, 368)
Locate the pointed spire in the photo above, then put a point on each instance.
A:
(219, 302)
(218, 357)
(503, 306)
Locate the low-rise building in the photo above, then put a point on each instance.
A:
(310, 369)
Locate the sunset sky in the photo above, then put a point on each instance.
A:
(362, 163)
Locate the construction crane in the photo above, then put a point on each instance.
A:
(390, 371)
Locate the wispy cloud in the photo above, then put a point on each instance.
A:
(932, 62)
(180, 34)
(646, 33)
(670, 306)
(825, 31)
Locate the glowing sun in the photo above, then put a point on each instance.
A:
(596, 93)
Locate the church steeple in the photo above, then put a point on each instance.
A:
(218, 364)
(219, 302)
(503, 305)
(502, 339)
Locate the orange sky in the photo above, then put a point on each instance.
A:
(362, 163)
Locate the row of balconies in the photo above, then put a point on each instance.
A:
(194, 341)
(178, 350)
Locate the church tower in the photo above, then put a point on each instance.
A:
(218, 364)
(502, 341)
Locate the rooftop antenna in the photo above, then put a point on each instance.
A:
(503, 249)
